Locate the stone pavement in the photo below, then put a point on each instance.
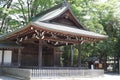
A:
(7, 78)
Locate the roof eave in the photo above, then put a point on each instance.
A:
(7, 35)
(102, 37)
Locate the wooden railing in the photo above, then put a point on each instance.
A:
(64, 72)
(59, 72)
(49, 72)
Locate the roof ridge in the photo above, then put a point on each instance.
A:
(51, 9)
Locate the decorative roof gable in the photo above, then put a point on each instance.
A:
(59, 14)
(56, 25)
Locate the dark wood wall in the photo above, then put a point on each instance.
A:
(48, 56)
(15, 57)
(29, 55)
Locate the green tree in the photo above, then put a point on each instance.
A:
(16, 14)
(100, 17)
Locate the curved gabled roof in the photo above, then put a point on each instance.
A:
(56, 12)
(42, 22)
(68, 30)
(39, 15)
(54, 28)
(52, 14)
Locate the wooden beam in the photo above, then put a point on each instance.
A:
(47, 44)
(33, 29)
(61, 40)
(55, 39)
(40, 54)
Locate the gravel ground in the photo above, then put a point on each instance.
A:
(7, 78)
(105, 77)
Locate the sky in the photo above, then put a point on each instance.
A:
(102, 0)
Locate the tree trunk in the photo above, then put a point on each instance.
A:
(105, 62)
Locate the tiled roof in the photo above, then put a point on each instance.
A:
(40, 21)
(52, 14)
(68, 30)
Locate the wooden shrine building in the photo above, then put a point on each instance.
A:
(37, 43)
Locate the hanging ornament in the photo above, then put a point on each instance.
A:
(26, 38)
(43, 37)
(48, 41)
(37, 37)
(56, 43)
(42, 33)
(77, 38)
(36, 32)
(66, 43)
(34, 35)
(17, 42)
(21, 39)
(31, 28)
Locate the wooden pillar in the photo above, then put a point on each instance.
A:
(71, 54)
(2, 63)
(54, 56)
(119, 66)
(79, 55)
(57, 57)
(19, 57)
(40, 54)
